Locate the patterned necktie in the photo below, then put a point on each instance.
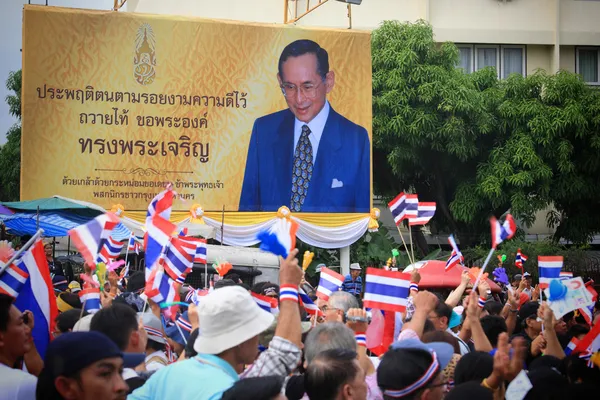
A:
(302, 171)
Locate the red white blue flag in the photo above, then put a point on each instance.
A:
(158, 237)
(90, 299)
(179, 259)
(520, 259)
(199, 248)
(267, 303)
(456, 256)
(565, 275)
(134, 244)
(548, 269)
(12, 280)
(386, 290)
(37, 295)
(502, 232)
(280, 239)
(329, 282)
(425, 211)
(110, 250)
(162, 289)
(89, 238)
(305, 301)
(571, 346)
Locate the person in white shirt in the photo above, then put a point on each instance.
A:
(15, 341)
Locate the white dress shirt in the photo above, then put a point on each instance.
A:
(316, 127)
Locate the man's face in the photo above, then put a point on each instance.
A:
(177, 347)
(138, 339)
(560, 327)
(354, 273)
(358, 386)
(440, 323)
(48, 250)
(304, 87)
(16, 340)
(332, 314)
(247, 351)
(437, 389)
(528, 282)
(101, 380)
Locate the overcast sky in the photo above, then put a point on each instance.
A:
(11, 24)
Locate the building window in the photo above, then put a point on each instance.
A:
(487, 56)
(513, 60)
(465, 58)
(587, 64)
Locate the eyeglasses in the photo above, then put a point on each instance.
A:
(308, 89)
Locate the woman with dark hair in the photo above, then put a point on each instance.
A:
(263, 388)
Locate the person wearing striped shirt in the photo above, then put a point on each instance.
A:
(353, 281)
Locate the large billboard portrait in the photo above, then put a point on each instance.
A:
(238, 116)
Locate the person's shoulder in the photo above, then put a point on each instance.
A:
(348, 126)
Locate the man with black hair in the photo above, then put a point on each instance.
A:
(493, 326)
(308, 156)
(335, 374)
(121, 324)
(440, 317)
(15, 341)
(262, 388)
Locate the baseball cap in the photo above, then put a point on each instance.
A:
(74, 287)
(153, 327)
(517, 277)
(528, 310)
(227, 317)
(526, 275)
(73, 351)
(455, 320)
(411, 365)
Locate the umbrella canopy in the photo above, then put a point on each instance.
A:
(433, 275)
(56, 203)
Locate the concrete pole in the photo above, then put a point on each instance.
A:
(345, 260)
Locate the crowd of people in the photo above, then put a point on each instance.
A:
(467, 345)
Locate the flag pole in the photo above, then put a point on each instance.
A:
(487, 261)
(205, 276)
(412, 250)
(181, 333)
(127, 251)
(404, 243)
(21, 250)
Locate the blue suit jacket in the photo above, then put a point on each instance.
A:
(343, 155)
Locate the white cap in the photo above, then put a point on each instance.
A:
(228, 317)
(83, 325)
(355, 266)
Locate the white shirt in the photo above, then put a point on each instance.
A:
(16, 384)
(155, 365)
(316, 127)
(464, 348)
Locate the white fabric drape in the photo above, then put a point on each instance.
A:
(513, 61)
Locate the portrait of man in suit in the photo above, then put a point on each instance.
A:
(307, 157)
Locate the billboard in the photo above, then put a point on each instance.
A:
(241, 116)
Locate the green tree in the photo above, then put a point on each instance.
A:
(10, 152)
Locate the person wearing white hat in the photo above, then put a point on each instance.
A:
(230, 322)
(353, 281)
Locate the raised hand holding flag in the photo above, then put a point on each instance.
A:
(500, 233)
(520, 259)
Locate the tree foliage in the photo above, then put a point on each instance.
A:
(479, 146)
(10, 152)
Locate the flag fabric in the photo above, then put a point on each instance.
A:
(37, 295)
(134, 244)
(548, 269)
(183, 232)
(386, 290)
(89, 238)
(412, 206)
(12, 280)
(571, 346)
(158, 235)
(193, 295)
(565, 275)
(161, 205)
(305, 301)
(110, 250)
(329, 282)
(520, 259)
(398, 208)
(502, 232)
(456, 256)
(90, 299)
(590, 342)
(425, 211)
(267, 303)
(587, 314)
(589, 285)
(200, 249)
(280, 239)
(184, 323)
(179, 259)
(162, 289)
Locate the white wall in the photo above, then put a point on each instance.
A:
(580, 22)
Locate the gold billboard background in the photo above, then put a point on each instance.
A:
(117, 104)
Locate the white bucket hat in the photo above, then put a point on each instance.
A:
(355, 266)
(228, 317)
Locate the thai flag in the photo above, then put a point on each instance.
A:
(183, 324)
(133, 245)
(398, 208)
(412, 206)
(280, 239)
(267, 303)
(90, 299)
(564, 275)
(157, 239)
(305, 301)
(89, 238)
(589, 285)
(590, 342)
(587, 314)
(12, 280)
(520, 259)
(456, 256)
(425, 211)
(161, 205)
(200, 248)
(179, 259)
(571, 346)
(386, 290)
(37, 295)
(329, 282)
(161, 289)
(502, 232)
(549, 268)
(111, 249)
(193, 295)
